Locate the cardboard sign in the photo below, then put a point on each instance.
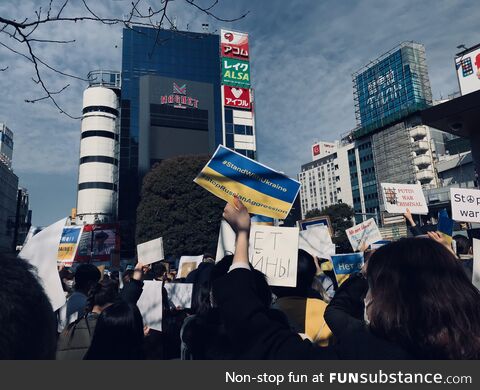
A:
(274, 251)
(68, 244)
(41, 251)
(317, 242)
(363, 234)
(151, 251)
(309, 223)
(187, 264)
(465, 204)
(179, 294)
(262, 190)
(476, 263)
(347, 264)
(400, 197)
(150, 304)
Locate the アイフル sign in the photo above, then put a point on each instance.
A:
(237, 97)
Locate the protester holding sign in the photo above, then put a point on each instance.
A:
(419, 304)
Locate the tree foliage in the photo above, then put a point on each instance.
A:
(172, 206)
(341, 216)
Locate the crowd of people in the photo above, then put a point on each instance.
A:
(413, 299)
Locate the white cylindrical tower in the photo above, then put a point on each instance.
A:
(98, 165)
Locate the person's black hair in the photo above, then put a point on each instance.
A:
(158, 270)
(422, 300)
(118, 334)
(27, 321)
(127, 276)
(306, 271)
(103, 293)
(86, 275)
(463, 244)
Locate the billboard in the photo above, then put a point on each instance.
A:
(237, 97)
(234, 44)
(98, 243)
(468, 71)
(68, 244)
(235, 72)
(395, 85)
(322, 149)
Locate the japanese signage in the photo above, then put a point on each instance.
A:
(237, 97)
(400, 197)
(262, 190)
(274, 251)
(468, 71)
(234, 44)
(68, 244)
(235, 72)
(465, 204)
(178, 98)
(322, 149)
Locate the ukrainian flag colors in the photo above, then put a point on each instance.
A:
(261, 189)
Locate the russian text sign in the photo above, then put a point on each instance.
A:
(262, 190)
(274, 251)
(347, 264)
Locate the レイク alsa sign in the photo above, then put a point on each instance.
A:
(179, 98)
(235, 72)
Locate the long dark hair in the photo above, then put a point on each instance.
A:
(103, 293)
(423, 300)
(118, 334)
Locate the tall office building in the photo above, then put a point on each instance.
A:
(98, 167)
(8, 190)
(183, 93)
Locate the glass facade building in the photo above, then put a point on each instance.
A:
(391, 87)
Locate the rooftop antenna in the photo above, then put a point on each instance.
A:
(174, 23)
(462, 46)
(205, 26)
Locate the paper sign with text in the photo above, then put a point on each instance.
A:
(262, 190)
(476, 263)
(150, 304)
(465, 204)
(151, 251)
(179, 294)
(67, 248)
(317, 242)
(347, 264)
(400, 197)
(187, 264)
(363, 234)
(274, 251)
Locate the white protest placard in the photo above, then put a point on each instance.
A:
(180, 294)
(476, 263)
(364, 234)
(150, 304)
(226, 241)
(465, 204)
(274, 251)
(41, 251)
(317, 242)
(187, 264)
(400, 197)
(151, 251)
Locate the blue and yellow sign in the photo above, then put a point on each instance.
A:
(68, 244)
(262, 190)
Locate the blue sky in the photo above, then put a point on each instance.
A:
(303, 53)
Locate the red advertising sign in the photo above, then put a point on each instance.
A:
(316, 150)
(237, 97)
(234, 44)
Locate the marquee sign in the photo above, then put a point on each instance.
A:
(237, 97)
(234, 45)
(235, 72)
(179, 98)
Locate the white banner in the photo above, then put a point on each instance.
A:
(465, 204)
(151, 251)
(400, 197)
(180, 294)
(364, 234)
(274, 251)
(41, 251)
(317, 242)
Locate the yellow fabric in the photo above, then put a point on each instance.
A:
(315, 326)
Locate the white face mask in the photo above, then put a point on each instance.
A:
(69, 284)
(365, 315)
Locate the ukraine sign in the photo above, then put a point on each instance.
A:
(262, 190)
